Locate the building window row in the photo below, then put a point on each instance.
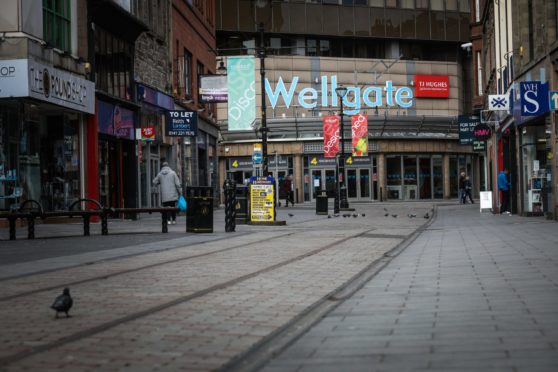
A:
(462, 5)
(57, 23)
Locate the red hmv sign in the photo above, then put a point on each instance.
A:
(432, 86)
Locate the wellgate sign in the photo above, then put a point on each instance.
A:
(354, 100)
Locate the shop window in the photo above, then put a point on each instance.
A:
(437, 177)
(57, 23)
(393, 173)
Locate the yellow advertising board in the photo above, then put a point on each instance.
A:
(262, 202)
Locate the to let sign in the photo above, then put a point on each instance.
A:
(432, 86)
(182, 123)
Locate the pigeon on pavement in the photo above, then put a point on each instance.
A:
(426, 215)
(363, 215)
(290, 214)
(355, 215)
(63, 303)
(387, 214)
(394, 215)
(385, 209)
(410, 215)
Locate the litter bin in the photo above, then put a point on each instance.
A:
(321, 202)
(241, 205)
(199, 215)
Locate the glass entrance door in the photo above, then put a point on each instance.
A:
(364, 183)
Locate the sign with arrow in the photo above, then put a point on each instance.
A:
(553, 95)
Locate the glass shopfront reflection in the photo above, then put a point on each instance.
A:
(411, 177)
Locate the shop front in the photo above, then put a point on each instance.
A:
(360, 174)
(43, 112)
(536, 170)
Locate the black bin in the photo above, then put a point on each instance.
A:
(241, 205)
(199, 215)
(321, 202)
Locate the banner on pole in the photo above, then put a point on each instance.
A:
(331, 135)
(359, 130)
(241, 84)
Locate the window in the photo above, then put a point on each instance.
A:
(477, 10)
(113, 61)
(479, 74)
(187, 73)
(199, 72)
(57, 23)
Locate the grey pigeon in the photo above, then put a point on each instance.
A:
(426, 215)
(363, 215)
(355, 215)
(329, 216)
(335, 215)
(394, 215)
(63, 303)
(290, 214)
(410, 215)
(385, 209)
(387, 214)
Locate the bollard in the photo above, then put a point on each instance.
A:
(230, 205)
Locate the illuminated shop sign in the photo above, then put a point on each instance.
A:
(309, 98)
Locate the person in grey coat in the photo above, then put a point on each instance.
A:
(171, 188)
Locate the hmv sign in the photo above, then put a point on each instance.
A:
(534, 98)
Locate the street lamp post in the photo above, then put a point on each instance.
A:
(341, 188)
(263, 128)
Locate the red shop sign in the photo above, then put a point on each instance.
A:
(148, 133)
(432, 86)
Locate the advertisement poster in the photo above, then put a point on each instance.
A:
(148, 133)
(241, 84)
(262, 202)
(123, 123)
(331, 135)
(359, 130)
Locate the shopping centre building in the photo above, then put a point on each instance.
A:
(407, 69)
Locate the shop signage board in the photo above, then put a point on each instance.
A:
(29, 78)
(148, 133)
(262, 201)
(467, 126)
(326, 96)
(432, 86)
(213, 88)
(318, 161)
(534, 98)
(482, 132)
(479, 146)
(498, 102)
(553, 96)
(181, 123)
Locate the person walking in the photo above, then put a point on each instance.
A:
(461, 187)
(288, 189)
(504, 186)
(468, 190)
(171, 189)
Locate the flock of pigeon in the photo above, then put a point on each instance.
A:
(410, 215)
(345, 215)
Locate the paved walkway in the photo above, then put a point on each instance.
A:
(475, 292)
(183, 304)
